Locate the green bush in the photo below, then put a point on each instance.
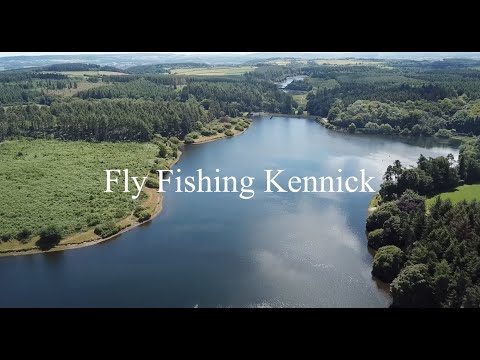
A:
(174, 140)
(107, 229)
(193, 135)
(238, 127)
(152, 183)
(143, 215)
(388, 262)
(351, 128)
(5, 236)
(162, 166)
(93, 220)
(411, 288)
(207, 132)
(227, 126)
(189, 140)
(229, 133)
(162, 150)
(24, 234)
(119, 214)
(49, 237)
(138, 210)
(375, 238)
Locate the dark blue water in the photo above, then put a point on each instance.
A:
(216, 250)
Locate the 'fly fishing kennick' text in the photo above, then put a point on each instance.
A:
(274, 181)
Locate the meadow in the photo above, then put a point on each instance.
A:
(464, 192)
(50, 182)
(301, 99)
(213, 71)
(81, 86)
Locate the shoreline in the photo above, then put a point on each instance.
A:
(460, 139)
(98, 240)
(219, 138)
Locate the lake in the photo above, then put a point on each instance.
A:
(288, 80)
(217, 250)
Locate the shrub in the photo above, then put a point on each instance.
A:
(24, 234)
(193, 135)
(174, 140)
(49, 237)
(162, 150)
(351, 128)
(189, 140)
(208, 132)
(388, 262)
(107, 229)
(5, 236)
(229, 133)
(144, 215)
(120, 213)
(152, 183)
(411, 288)
(162, 166)
(238, 127)
(93, 220)
(227, 126)
(138, 210)
(375, 238)
(443, 133)
(382, 214)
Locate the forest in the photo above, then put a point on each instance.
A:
(430, 256)
(126, 107)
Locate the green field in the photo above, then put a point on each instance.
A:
(213, 71)
(81, 86)
(301, 99)
(464, 192)
(49, 182)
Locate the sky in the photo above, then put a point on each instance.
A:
(3, 54)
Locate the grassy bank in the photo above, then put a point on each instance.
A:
(460, 193)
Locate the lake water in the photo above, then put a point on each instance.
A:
(216, 250)
(289, 79)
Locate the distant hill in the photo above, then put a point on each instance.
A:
(79, 67)
(164, 68)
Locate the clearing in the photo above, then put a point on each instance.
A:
(464, 192)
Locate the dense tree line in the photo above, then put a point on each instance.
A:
(415, 99)
(102, 120)
(79, 67)
(431, 258)
(430, 176)
(234, 97)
